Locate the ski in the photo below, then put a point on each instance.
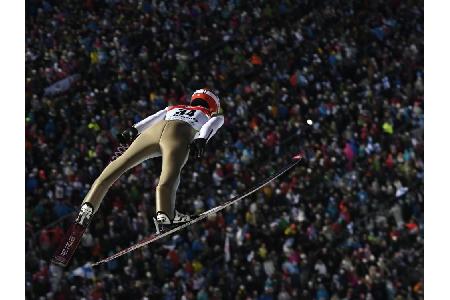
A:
(154, 237)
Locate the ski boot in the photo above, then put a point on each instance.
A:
(163, 222)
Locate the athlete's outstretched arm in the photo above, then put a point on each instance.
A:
(210, 128)
(150, 120)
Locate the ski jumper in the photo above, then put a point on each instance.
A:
(167, 133)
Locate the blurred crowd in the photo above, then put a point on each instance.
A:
(346, 224)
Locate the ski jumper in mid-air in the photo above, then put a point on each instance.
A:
(173, 133)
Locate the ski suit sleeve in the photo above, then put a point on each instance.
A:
(210, 128)
(150, 120)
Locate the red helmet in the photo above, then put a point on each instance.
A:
(209, 97)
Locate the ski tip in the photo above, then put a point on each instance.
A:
(298, 156)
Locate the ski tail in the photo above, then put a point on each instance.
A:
(67, 248)
(154, 237)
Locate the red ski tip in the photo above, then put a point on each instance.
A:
(298, 156)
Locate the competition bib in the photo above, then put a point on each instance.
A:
(194, 116)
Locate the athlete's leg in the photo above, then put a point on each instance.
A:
(145, 146)
(174, 143)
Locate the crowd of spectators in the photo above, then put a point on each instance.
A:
(347, 224)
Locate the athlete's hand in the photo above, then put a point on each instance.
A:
(127, 136)
(198, 147)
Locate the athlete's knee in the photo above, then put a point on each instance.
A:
(105, 179)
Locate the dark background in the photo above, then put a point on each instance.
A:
(339, 227)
